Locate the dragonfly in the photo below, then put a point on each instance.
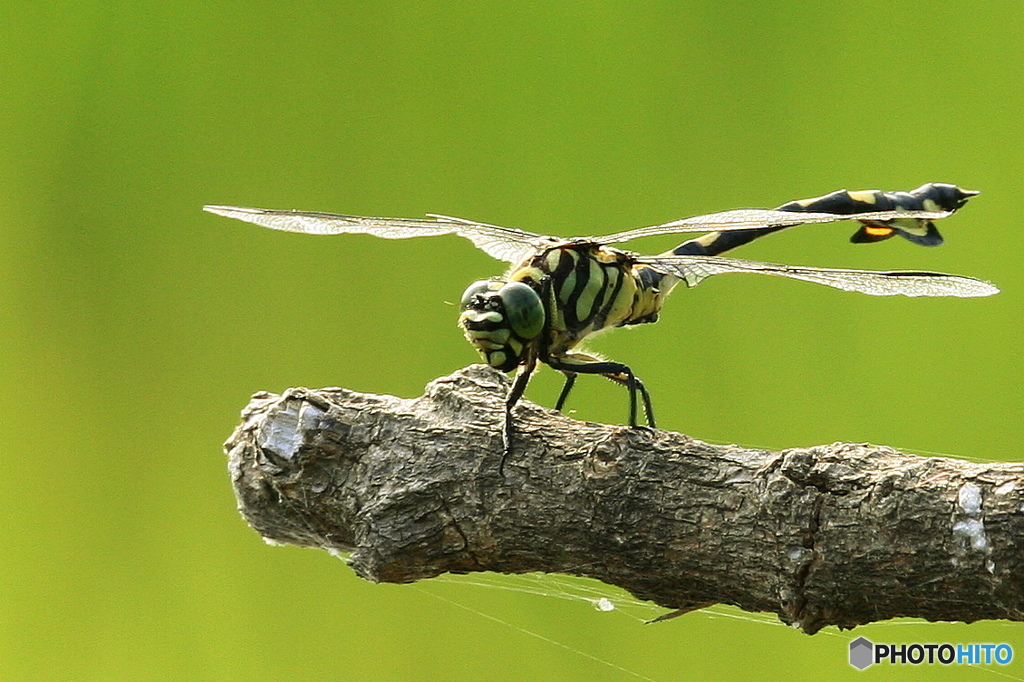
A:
(559, 291)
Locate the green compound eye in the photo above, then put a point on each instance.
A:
(523, 308)
(473, 290)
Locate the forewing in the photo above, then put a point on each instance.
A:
(503, 243)
(694, 269)
(756, 218)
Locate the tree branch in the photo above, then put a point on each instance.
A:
(840, 534)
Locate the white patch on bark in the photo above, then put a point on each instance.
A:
(969, 526)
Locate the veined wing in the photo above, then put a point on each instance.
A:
(755, 218)
(694, 269)
(504, 243)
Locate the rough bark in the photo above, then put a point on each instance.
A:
(841, 534)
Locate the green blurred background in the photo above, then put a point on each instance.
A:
(135, 327)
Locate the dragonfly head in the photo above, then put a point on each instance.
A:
(500, 318)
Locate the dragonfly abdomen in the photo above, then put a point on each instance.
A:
(933, 196)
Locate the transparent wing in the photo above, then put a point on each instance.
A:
(755, 218)
(503, 243)
(694, 269)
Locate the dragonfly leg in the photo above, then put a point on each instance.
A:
(570, 380)
(636, 387)
(514, 394)
(581, 363)
(648, 410)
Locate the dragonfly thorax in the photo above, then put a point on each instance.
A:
(588, 287)
(501, 318)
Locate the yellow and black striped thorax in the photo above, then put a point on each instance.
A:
(580, 288)
(587, 287)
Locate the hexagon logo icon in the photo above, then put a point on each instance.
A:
(862, 653)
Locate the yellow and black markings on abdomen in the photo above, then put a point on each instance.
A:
(929, 197)
(935, 196)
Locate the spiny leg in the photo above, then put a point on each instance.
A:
(570, 380)
(648, 410)
(633, 383)
(514, 394)
(581, 363)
